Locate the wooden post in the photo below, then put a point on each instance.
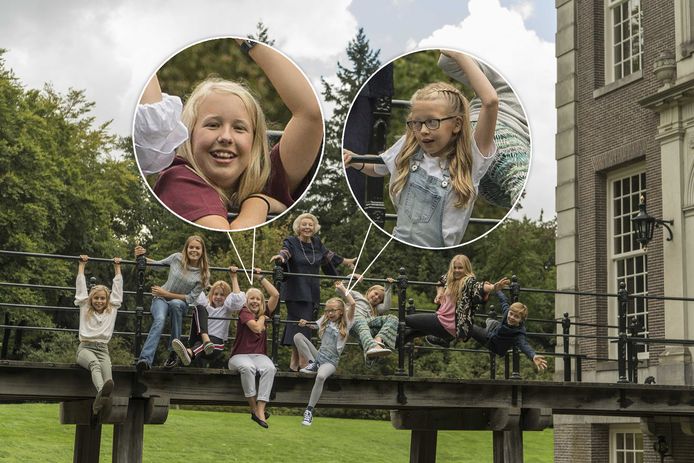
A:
(513, 445)
(423, 446)
(498, 446)
(128, 436)
(87, 442)
(508, 446)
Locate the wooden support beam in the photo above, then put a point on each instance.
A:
(469, 419)
(423, 447)
(80, 411)
(48, 382)
(536, 419)
(87, 443)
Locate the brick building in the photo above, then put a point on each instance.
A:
(625, 128)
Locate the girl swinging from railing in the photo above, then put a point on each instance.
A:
(98, 310)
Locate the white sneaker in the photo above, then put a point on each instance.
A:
(308, 418)
(377, 352)
(181, 351)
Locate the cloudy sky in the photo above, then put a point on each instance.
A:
(110, 48)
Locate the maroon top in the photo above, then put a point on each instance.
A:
(248, 342)
(186, 194)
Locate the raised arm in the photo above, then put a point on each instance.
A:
(81, 294)
(384, 307)
(274, 298)
(349, 300)
(236, 299)
(152, 93)
(300, 143)
(486, 124)
(116, 298)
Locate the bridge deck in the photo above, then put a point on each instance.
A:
(62, 382)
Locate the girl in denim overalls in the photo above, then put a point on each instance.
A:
(436, 167)
(333, 329)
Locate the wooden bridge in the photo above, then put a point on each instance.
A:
(422, 405)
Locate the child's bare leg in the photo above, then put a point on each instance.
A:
(205, 338)
(253, 404)
(294, 362)
(260, 409)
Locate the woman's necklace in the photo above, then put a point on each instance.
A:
(313, 252)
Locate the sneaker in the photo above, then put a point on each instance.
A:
(181, 351)
(142, 366)
(308, 418)
(311, 369)
(375, 352)
(437, 342)
(171, 362)
(208, 348)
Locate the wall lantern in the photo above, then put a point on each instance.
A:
(644, 224)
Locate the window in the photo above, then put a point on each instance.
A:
(629, 263)
(626, 444)
(624, 44)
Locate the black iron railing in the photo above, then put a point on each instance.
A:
(627, 339)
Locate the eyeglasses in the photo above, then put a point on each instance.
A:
(432, 124)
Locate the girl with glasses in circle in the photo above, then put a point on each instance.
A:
(435, 169)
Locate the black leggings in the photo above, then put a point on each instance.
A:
(422, 324)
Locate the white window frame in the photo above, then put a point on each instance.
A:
(612, 260)
(611, 8)
(624, 429)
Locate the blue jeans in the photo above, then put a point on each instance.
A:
(160, 307)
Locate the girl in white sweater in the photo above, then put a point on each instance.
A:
(98, 309)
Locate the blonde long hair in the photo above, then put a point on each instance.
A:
(261, 310)
(342, 325)
(256, 175)
(203, 265)
(221, 284)
(454, 286)
(90, 301)
(459, 159)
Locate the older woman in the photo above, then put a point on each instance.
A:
(304, 253)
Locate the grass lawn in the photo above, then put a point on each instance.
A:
(31, 432)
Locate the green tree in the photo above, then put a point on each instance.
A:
(329, 197)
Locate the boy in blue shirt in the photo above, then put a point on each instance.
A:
(500, 336)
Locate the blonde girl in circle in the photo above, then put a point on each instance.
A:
(214, 155)
(436, 167)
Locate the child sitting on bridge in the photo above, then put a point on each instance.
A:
(374, 327)
(500, 336)
(333, 329)
(98, 309)
(207, 338)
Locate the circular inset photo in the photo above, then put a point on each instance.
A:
(228, 134)
(436, 148)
